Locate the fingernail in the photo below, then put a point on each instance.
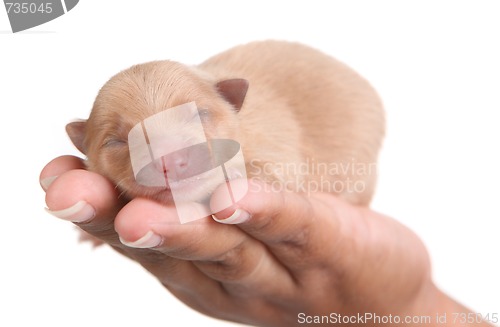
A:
(238, 217)
(45, 183)
(78, 213)
(150, 240)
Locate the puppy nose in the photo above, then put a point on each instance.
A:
(173, 165)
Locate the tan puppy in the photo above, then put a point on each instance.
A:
(305, 121)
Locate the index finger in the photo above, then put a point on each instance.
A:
(85, 198)
(57, 167)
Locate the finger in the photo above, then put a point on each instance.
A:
(222, 252)
(57, 167)
(144, 223)
(185, 281)
(87, 199)
(215, 302)
(297, 229)
(211, 297)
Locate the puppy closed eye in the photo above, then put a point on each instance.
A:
(113, 142)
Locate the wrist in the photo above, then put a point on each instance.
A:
(440, 310)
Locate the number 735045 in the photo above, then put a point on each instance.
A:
(28, 8)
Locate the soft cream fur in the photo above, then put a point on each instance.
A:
(302, 108)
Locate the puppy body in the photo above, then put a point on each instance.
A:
(307, 123)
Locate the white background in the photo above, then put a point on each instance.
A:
(435, 64)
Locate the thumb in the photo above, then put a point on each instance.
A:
(293, 226)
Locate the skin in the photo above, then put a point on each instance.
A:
(293, 253)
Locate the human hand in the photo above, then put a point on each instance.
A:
(286, 257)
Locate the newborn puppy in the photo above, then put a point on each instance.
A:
(305, 121)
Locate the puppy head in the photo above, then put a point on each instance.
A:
(143, 91)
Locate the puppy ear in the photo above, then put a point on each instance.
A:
(234, 91)
(76, 132)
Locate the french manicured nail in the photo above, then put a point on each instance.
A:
(150, 240)
(47, 181)
(78, 213)
(238, 217)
